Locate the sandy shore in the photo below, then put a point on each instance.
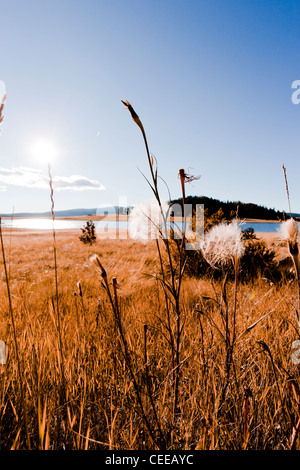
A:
(263, 221)
(102, 234)
(124, 217)
(269, 237)
(96, 218)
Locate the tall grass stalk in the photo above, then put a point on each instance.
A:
(16, 347)
(57, 316)
(290, 231)
(173, 287)
(114, 302)
(287, 189)
(12, 319)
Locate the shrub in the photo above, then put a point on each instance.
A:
(258, 260)
(88, 233)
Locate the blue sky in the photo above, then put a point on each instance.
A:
(210, 80)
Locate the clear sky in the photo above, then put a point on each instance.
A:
(210, 79)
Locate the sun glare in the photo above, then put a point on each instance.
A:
(44, 151)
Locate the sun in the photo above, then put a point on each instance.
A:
(44, 151)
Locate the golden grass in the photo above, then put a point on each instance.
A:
(100, 410)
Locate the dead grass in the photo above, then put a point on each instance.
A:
(100, 409)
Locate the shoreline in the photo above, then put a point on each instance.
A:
(108, 218)
(120, 233)
(123, 217)
(262, 221)
(28, 235)
(94, 217)
(109, 233)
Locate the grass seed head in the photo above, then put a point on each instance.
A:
(96, 260)
(133, 114)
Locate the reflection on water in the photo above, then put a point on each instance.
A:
(47, 224)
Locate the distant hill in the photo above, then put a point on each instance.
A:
(245, 210)
(66, 213)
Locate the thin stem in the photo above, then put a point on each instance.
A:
(175, 278)
(115, 306)
(169, 328)
(148, 382)
(60, 347)
(20, 372)
(287, 189)
(236, 270)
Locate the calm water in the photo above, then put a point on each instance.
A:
(262, 226)
(47, 224)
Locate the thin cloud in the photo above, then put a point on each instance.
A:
(76, 183)
(32, 178)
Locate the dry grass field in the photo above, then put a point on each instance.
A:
(83, 378)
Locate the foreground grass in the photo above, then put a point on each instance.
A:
(80, 393)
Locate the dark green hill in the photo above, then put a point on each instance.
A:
(245, 210)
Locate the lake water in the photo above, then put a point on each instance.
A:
(262, 226)
(47, 224)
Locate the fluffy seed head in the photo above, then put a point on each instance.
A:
(222, 244)
(289, 230)
(146, 221)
